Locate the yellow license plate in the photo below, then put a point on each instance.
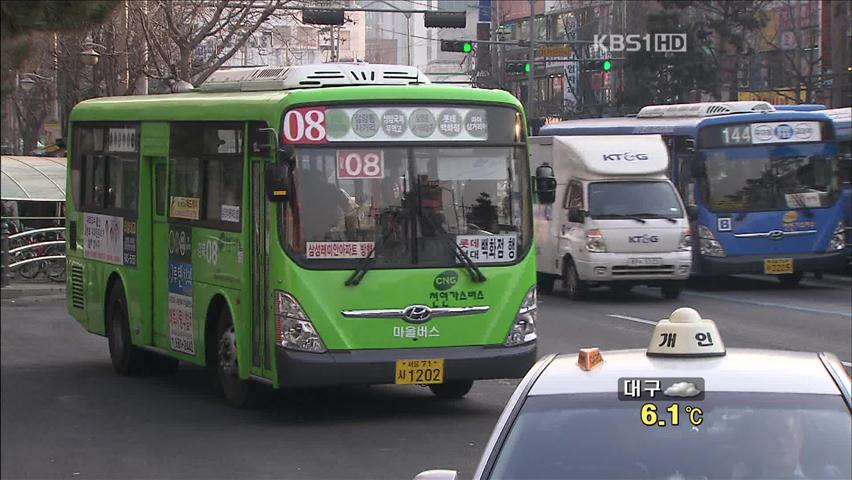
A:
(420, 372)
(777, 266)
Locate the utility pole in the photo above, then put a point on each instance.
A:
(531, 73)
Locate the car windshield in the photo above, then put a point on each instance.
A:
(634, 199)
(742, 436)
(770, 178)
(408, 203)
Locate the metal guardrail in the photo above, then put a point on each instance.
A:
(23, 255)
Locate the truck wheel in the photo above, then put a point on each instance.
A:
(126, 358)
(790, 279)
(672, 290)
(238, 392)
(451, 390)
(545, 282)
(575, 288)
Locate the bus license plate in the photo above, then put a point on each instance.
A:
(777, 266)
(644, 262)
(420, 372)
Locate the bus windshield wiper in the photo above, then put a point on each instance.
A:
(657, 215)
(462, 256)
(368, 261)
(618, 215)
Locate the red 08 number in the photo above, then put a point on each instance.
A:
(305, 125)
(360, 164)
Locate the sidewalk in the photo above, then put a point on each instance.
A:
(19, 290)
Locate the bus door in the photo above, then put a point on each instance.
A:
(160, 250)
(259, 153)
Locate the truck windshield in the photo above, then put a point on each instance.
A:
(646, 199)
(770, 178)
(404, 201)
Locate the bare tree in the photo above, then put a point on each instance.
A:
(189, 40)
(797, 46)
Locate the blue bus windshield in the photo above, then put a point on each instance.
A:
(761, 178)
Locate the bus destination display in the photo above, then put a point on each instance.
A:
(760, 133)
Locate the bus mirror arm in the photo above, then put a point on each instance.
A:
(692, 212)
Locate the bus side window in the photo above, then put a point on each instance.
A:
(207, 166)
(107, 157)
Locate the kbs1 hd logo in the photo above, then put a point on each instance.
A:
(656, 42)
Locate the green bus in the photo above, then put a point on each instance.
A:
(306, 226)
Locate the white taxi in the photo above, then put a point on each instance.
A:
(684, 408)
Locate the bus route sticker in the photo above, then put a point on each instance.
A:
(328, 250)
(185, 207)
(489, 248)
(181, 324)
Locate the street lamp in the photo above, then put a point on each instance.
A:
(90, 56)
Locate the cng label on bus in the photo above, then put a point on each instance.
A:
(306, 125)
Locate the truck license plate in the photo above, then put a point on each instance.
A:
(644, 261)
(419, 372)
(777, 266)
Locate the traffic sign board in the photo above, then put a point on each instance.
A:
(554, 51)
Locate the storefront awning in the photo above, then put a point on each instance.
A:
(32, 178)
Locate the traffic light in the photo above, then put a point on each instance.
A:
(464, 46)
(315, 16)
(435, 19)
(517, 67)
(599, 65)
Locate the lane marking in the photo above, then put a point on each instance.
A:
(767, 304)
(632, 319)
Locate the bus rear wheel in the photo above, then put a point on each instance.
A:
(238, 392)
(451, 390)
(126, 358)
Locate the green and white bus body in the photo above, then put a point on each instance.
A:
(183, 245)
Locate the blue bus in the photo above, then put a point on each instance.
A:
(762, 185)
(842, 118)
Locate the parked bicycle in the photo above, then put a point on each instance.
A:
(26, 247)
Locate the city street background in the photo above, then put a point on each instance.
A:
(65, 414)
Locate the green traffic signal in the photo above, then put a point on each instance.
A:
(607, 65)
(467, 47)
(527, 68)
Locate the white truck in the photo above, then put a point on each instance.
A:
(615, 218)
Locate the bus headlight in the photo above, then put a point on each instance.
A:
(294, 328)
(523, 328)
(595, 241)
(709, 245)
(838, 239)
(685, 244)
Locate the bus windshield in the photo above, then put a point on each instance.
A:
(406, 202)
(633, 199)
(769, 178)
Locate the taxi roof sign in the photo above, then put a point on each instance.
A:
(686, 334)
(589, 358)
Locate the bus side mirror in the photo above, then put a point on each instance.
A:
(576, 215)
(545, 184)
(696, 168)
(692, 213)
(278, 181)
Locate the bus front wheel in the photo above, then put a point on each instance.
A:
(238, 392)
(126, 358)
(451, 390)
